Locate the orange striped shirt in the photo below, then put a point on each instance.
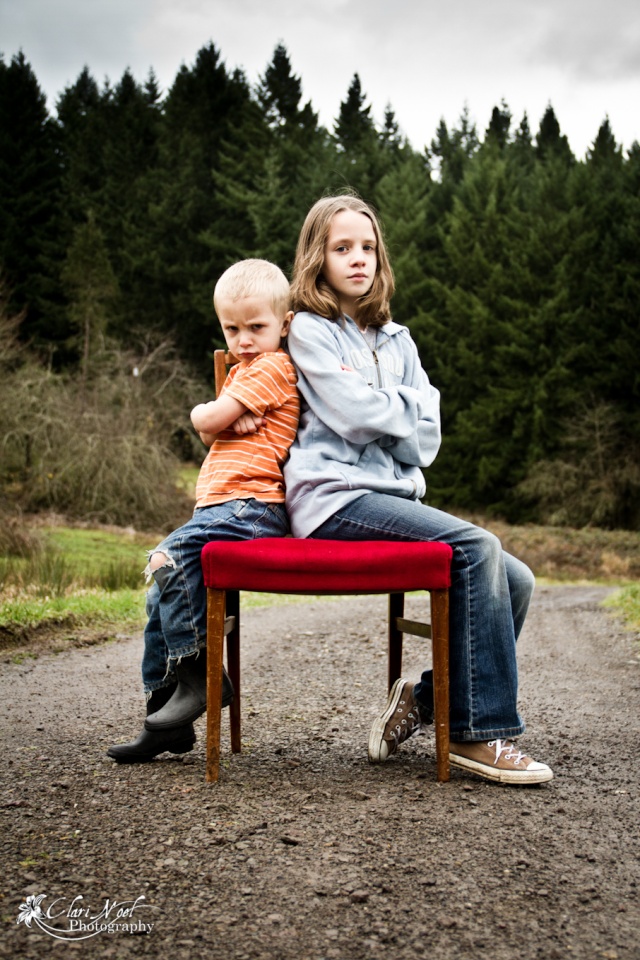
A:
(250, 466)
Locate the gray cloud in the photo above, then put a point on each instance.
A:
(592, 40)
(426, 57)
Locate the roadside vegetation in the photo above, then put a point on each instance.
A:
(67, 584)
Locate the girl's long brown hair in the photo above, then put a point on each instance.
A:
(309, 289)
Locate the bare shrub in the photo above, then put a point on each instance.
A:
(103, 450)
(594, 480)
(16, 539)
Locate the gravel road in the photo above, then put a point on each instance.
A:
(303, 850)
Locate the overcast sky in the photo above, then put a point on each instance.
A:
(427, 58)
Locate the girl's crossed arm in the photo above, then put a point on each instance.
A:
(346, 404)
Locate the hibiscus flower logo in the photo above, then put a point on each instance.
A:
(31, 909)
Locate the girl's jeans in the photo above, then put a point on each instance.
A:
(177, 599)
(489, 597)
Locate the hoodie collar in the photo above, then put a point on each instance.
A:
(389, 329)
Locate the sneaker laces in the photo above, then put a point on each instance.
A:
(399, 732)
(502, 746)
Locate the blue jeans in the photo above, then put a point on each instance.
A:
(489, 598)
(177, 599)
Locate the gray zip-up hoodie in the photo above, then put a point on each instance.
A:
(366, 429)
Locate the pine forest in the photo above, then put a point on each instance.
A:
(517, 270)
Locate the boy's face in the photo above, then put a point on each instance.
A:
(250, 326)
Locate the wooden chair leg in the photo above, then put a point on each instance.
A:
(233, 668)
(396, 610)
(215, 646)
(440, 641)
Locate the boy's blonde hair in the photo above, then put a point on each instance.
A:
(254, 278)
(309, 289)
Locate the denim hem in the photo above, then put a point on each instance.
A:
(190, 651)
(481, 736)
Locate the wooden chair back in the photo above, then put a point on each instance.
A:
(222, 361)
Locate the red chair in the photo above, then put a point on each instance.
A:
(320, 568)
(323, 567)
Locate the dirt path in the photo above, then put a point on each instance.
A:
(304, 850)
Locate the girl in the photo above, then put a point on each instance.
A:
(369, 422)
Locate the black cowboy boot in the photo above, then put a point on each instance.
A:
(149, 744)
(190, 699)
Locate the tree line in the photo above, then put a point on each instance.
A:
(517, 265)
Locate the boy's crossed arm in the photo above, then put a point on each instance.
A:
(210, 418)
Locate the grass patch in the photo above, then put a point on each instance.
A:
(627, 602)
(24, 619)
(93, 553)
(121, 606)
(69, 557)
(74, 578)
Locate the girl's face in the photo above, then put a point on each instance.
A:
(350, 257)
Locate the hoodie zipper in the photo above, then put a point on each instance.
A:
(374, 354)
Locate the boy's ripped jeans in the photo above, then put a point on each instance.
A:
(177, 598)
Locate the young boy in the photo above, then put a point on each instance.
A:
(239, 496)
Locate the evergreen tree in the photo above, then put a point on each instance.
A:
(279, 93)
(521, 150)
(354, 128)
(131, 158)
(294, 167)
(550, 141)
(202, 111)
(82, 132)
(29, 201)
(452, 151)
(497, 132)
(403, 206)
(360, 160)
(601, 270)
(279, 171)
(91, 286)
(390, 134)
(394, 147)
(448, 158)
(600, 338)
(240, 165)
(109, 148)
(481, 340)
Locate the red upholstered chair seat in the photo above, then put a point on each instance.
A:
(289, 565)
